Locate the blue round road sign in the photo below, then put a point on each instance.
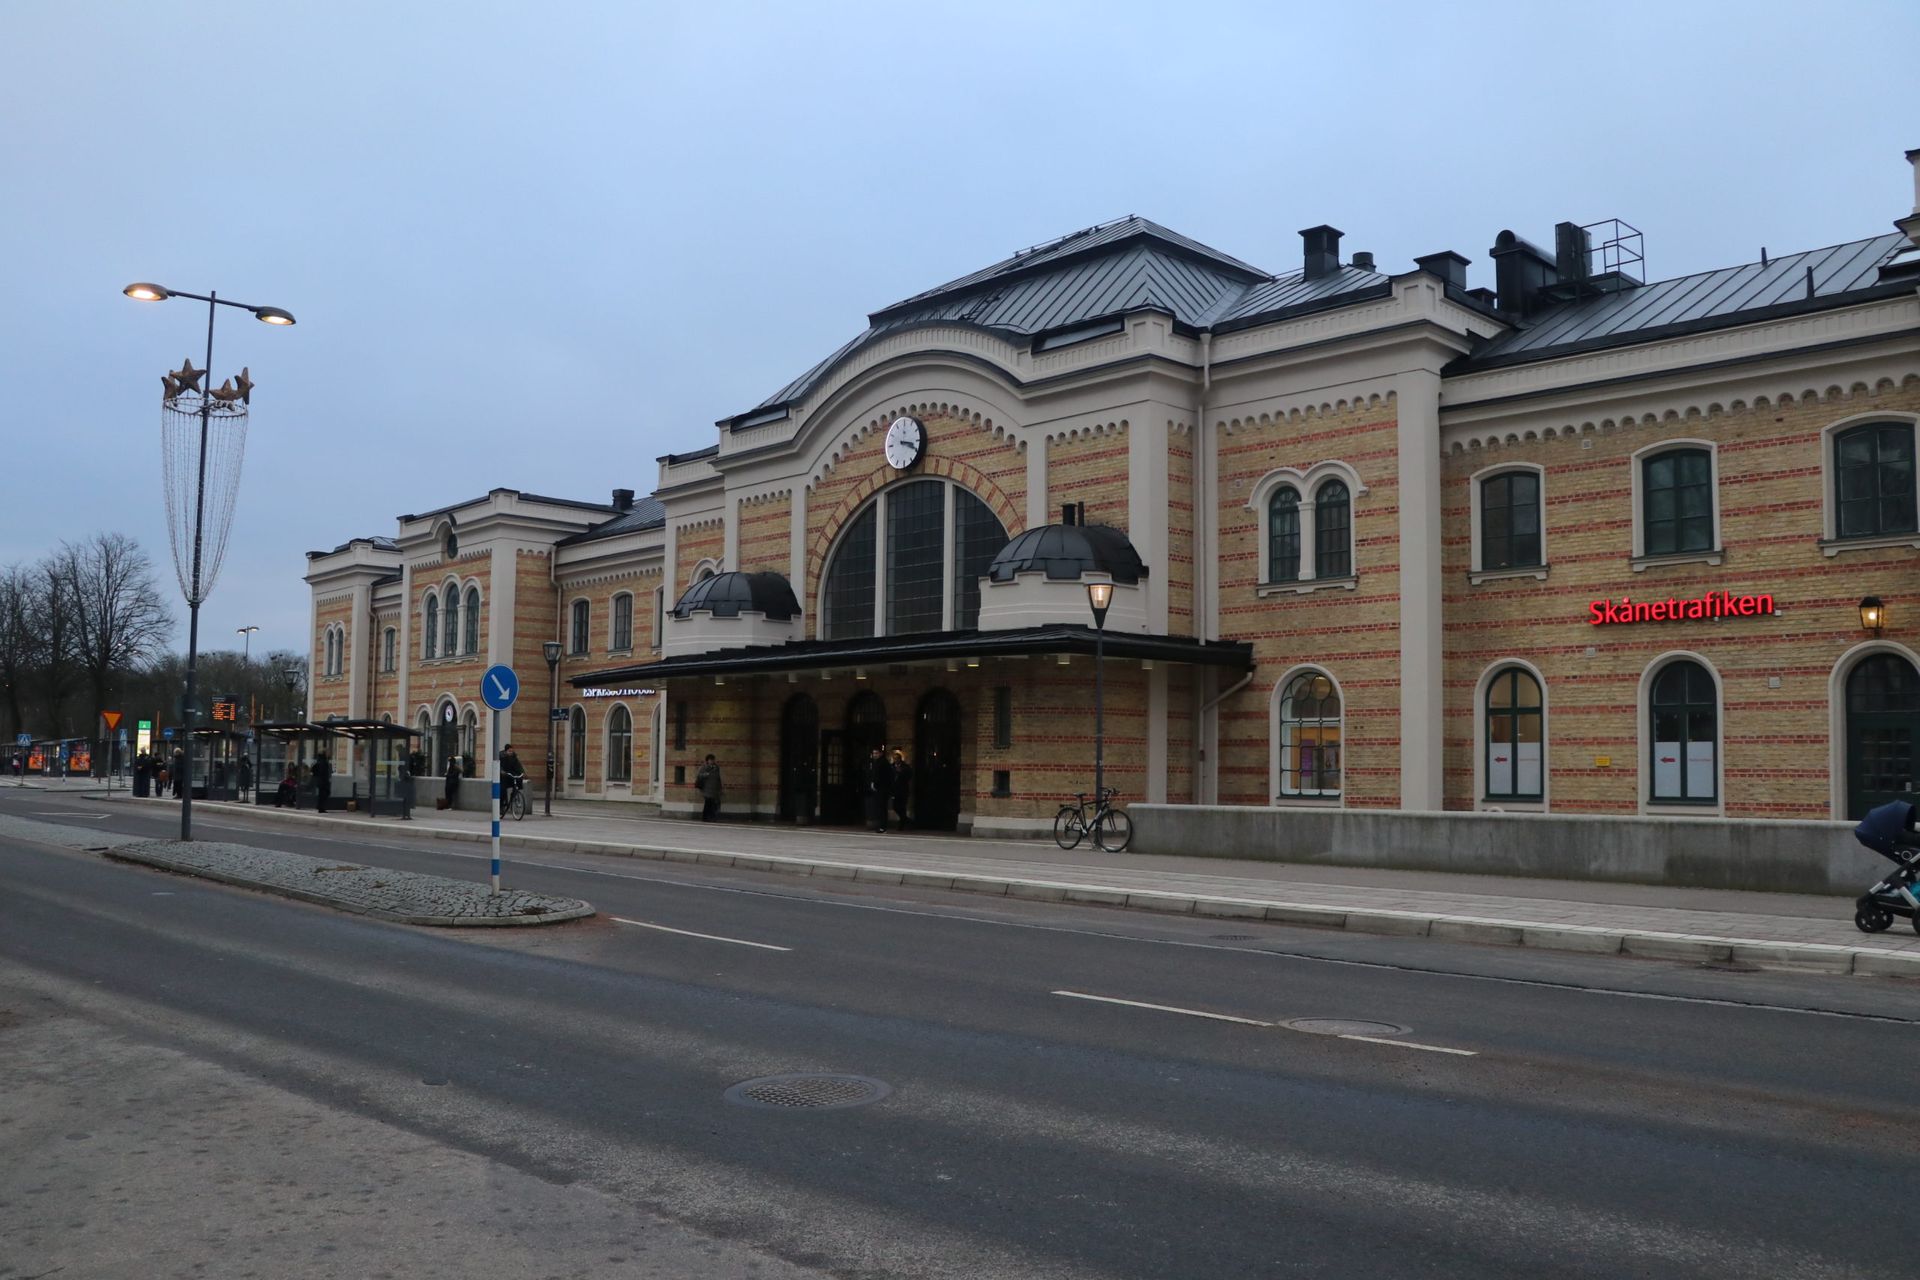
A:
(499, 687)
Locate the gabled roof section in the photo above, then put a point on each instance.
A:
(1811, 281)
(647, 513)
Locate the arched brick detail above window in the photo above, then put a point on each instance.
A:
(967, 477)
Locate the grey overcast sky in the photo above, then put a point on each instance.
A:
(538, 245)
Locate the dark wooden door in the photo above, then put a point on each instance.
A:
(1883, 727)
(936, 762)
(799, 759)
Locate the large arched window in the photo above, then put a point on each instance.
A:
(1874, 481)
(1310, 736)
(1684, 711)
(1333, 531)
(450, 637)
(430, 632)
(472, 641)
(1283, 535)
(1516, 733)
(922, 575)
(577, 745)
(619, 745)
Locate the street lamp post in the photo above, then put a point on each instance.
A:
(551, 652)
(144, 292)
(1099, 597)
(246, 643)
(290, 676)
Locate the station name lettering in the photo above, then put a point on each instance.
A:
(617, 693)
(1714, 604)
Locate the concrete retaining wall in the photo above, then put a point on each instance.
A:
(1710, 853)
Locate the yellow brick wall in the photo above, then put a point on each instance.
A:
(459, 677)
(766, 533)
(1093, 468)
(1178, 570)
(331, 694)
(692, 544)
(386, 684)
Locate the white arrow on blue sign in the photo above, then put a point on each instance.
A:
(499, 687)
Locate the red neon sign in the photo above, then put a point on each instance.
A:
(1714, 604)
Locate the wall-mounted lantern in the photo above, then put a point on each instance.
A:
(1873, 615)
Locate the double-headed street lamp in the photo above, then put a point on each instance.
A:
(145, 292)
(1099, 596)
(246, 643)
(550, 650)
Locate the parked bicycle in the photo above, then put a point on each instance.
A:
(1110, 829)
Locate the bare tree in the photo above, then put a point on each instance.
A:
(50, 617)
(20, 642)
(113, 608)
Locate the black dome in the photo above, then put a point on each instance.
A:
(726, 595)
(1065, 551)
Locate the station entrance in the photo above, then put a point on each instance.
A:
(823, 771)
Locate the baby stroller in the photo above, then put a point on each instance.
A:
(1889, 832)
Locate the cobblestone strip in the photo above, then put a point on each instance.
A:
(401, 896)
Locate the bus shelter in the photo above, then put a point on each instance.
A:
(285, 751)
(384, 784)
(220, 764)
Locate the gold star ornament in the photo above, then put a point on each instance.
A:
(188, 377)
(246, 388)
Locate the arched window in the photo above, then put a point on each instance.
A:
(622, 622)
(471, 644)
(922, 575)
(619, 746)
(430, 632)
(1516, 729)
(580, 638)
(389, 649)
(1283, 535)
(1310, 736)
(1333, 531)
(577, 745)
(1685, 719)
(450, 640)
(470, 738)
(1874, 481)
(1510, 520)
(1676, 495)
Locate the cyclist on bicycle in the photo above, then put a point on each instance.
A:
(512, 775)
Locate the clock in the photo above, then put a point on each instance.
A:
(906, 441)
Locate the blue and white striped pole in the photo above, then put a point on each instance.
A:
(493, 773)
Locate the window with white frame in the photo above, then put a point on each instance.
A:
(622, 622)
(471, 641)
(1874, 492)
(1309, 736)
(1332, 530)
(1305, 525)
(910, 561)
(577, 745)
(1683, 718)
(659, 616)
(389, 649)
(1676, 501)
(580, 635)
(619, 745)
(1283, 535)
(1510, 521)
(430, 626)
(1515, 735)
(450, 610)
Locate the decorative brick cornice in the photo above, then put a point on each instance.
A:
(878, 424)
(1307, 411)
(1086, 431)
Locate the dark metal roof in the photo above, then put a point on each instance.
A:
(727, 595)
(1066, 551)
(1841, 274)
(378, 544)
(525, 497)
(646, 513)
(935, 646)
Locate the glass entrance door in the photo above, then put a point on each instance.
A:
(1883, 725)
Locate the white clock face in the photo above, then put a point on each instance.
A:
(906, 441)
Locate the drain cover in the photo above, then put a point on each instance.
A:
(1346, 1027)
(807, 1091)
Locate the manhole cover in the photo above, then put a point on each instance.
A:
(1346, 1027)
(807, 1091)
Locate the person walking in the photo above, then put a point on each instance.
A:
(707, 783)
(179, 774)
(453, 781)
(879, 789)
(902, 786)
(322, 782)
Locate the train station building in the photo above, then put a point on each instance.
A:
(1577, 542)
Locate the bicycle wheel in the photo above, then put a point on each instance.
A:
(517, 806)
(1112, 831)
(1069, 828)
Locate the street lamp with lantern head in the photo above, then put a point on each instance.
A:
(1873, 615)
(550, 650)
(1099, 597)
(290, 676)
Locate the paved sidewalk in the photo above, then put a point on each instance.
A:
(1769, 930)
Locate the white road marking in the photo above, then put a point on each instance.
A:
(1414, 1044)
(710, 937)
(66, 813)
(1164, 1008)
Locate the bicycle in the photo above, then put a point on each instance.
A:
(516, 805)
(1110, 829)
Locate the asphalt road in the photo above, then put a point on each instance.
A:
(1540, 1115)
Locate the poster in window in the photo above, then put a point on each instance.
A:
(1700, 770)
(1527, 768)
(1666, 770)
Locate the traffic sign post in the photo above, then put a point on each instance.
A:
(112, 720)
(498, 688)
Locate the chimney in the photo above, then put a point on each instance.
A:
(1572, 250)
(1323, 250)
(1910, 224)
(1364, 261)
(1448, 265)
(1520, 272)
(1067, 514)
(623, 499)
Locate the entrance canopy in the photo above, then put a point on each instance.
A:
(933, 646)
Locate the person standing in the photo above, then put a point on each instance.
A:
(902, 786)
(179, 772)
(322, 781)
(453, 781)
(246, 777)
(707, 783)
(879, 789)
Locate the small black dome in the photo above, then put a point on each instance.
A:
(726, 595)
(1065, 551)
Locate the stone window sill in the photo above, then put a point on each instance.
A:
(1306, 802)
(1834, 546)
(620, 653)
(1716, 555)
(1492, 805)
(1304, 585)
(1680, 809)
(1535, 571)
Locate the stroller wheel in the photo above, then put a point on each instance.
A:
(1869, 917)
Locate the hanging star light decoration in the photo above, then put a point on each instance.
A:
(245, 384)
(188, 377)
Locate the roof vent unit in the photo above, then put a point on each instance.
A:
(1322, 245)
(1588, 269)
(1522, 274)
(1363, 261)
(1448, 265)
(623, 499)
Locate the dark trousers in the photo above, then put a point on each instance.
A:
(877, 810)
(322, 791)
(709, 808)
(900, 810)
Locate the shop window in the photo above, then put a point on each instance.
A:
(1283, 535)
(1873, 467)
(1510, 521)
(1310, 736)
(1003, 716)
(471, 643)
(1684, 717)
(430, 632)
(1516, 729)
(389, 649)
(580, 635)
(1333, 531)
(451, 638)
(926, 586)
(619, 745)
(577, 745)
(622, 623)
(1677, 507)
